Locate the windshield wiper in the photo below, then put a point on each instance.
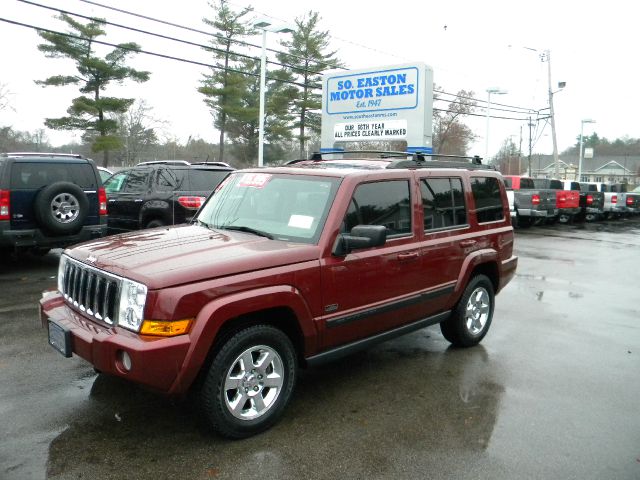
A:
(241, 228)
(201, 223)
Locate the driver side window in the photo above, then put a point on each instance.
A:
(385, 203)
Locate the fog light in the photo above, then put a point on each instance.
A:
(125, 360)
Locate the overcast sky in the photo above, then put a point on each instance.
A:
(469, 44)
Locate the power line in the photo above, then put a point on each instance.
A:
(526, 110)
(193, 62)
(165, 37)
(482, 115)
(155, 54)
(195, 30)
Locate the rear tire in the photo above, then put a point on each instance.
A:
(249, 382)
(470, 320)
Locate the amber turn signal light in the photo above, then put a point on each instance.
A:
(164, 328)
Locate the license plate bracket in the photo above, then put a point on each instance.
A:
(60, 339)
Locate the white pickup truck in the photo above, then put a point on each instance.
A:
(617, 201)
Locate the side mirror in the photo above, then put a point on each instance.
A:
(361, 236)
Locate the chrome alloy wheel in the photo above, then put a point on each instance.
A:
(477, 311)
(254, 382)
(65, 208)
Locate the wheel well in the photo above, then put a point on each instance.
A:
(279, 317)
(490, 270)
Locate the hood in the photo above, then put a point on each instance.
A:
(164, 257)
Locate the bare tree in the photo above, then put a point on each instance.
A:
(137, 131)
(450, 134)
(4, 97)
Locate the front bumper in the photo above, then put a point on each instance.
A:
(156, 362)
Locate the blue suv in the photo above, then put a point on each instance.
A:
(49, 201)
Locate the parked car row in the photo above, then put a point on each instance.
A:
(534, 201)
(53, 200)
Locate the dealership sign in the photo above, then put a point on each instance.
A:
(388, 103)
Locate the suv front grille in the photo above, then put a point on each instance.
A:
(90, 290)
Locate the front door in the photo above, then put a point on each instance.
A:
(373, 290)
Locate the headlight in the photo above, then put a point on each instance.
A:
(61, 267)
(133, 295)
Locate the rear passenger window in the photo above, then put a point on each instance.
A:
(443, 203)
(166, 180)
(206, 180)
(486, 195)
(381, 203)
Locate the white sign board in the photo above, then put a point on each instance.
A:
(588, 152)
(387, 103)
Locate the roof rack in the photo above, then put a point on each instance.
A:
(413, 159)
(165, 162)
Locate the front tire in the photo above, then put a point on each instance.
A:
(470, 320)
(249, 382)
(155, 223)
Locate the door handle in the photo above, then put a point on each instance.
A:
(408, 256)
(138, 200)
(467, 243)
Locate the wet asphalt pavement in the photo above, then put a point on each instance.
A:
(552, 392)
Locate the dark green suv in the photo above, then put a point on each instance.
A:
(49, 200)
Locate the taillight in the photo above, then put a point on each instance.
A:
(102, 201)
(589, 199)
(614, 199)
(191, 202)
(535, 199)
(629, 200)
(4, 204)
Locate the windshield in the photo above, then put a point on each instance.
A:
(278, 206)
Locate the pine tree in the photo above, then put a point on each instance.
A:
(223, 88)
(93, 114)
(307, 59)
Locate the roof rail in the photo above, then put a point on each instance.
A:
(413, 159)
(42, 154)
(382, 154)
(213, 164)
(164, 162)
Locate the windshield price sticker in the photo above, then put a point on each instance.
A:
(254, 180)
(387, 130)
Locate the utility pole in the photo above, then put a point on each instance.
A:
(529, 159)
(547, 55)
(520, 153)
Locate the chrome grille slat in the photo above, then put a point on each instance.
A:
(91, 290)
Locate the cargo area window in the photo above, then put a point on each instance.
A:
(486, 196)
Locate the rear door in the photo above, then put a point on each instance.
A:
(126, 193)
(446, 237)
